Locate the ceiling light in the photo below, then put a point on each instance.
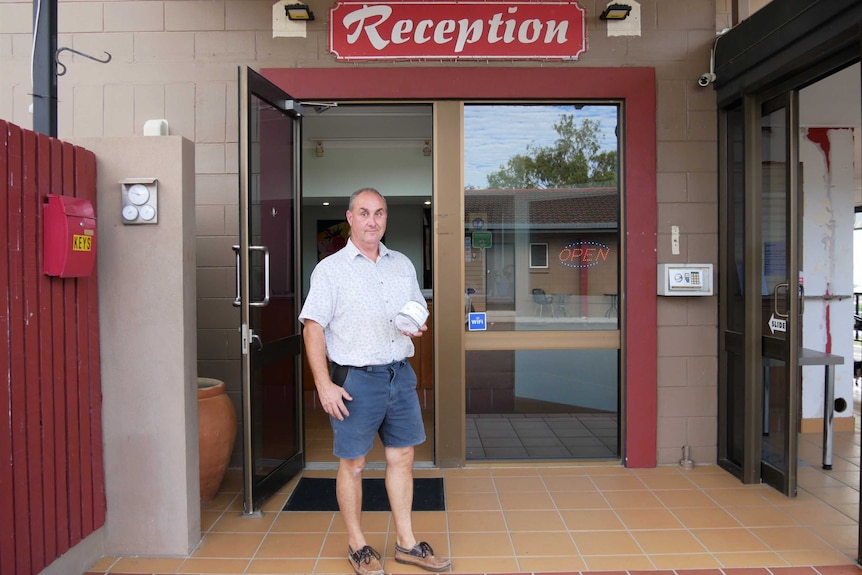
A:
(298, 12)
(615, 12)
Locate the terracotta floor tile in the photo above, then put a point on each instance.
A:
(751, 559)
(668, 541)
(473, 502)
(730, 540)
(528, 500)
(303, 522)
(481, 545)
(606, 543)
(231, 566)
(580, 500)
(685, 498)
(631, 499)
(618, 562)
(568, 483)
(103, 564)
(760, 516)
(543, 544)
(475, 521)
(552, 564)
(290, 546)
(737, 497)
(469, 485)
(372, 522)
(281, 566)
(231, 522)
(519, 484)
(649, 519)
(485, 565)
(228, 545)
(525, 520)
(685, 561)
(146, 565)
(817, 556)
(592, 520)
(618, 483)
(818, 513)
(704, 517)
(789, 538)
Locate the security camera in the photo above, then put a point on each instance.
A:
(706, 79)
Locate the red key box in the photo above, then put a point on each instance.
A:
(69, 236)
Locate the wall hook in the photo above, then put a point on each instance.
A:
(61, 68)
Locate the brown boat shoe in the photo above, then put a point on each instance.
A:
(422, 556)
(366, 561)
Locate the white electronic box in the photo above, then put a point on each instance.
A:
(685, 279)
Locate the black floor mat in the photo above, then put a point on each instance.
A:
(318, 494)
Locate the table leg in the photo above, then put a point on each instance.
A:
(828, 416)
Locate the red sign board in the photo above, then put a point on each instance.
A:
(456, 30)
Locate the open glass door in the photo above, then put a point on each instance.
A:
(267, 288)
(779, 325)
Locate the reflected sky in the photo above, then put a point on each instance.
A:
(493, 134)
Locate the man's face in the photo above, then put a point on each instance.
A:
(367, 219)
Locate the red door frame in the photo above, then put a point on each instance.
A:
(636, 87)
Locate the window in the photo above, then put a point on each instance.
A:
(539, 256)
(541, 215)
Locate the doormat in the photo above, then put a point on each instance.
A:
(318, 494)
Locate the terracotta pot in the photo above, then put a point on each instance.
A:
(216, 434)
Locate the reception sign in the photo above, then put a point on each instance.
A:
(456, 30)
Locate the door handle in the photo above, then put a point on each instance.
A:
(785, 286)
(236, 300)
(265, 301)
(256, 338)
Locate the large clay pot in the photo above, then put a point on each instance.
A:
(216, 434)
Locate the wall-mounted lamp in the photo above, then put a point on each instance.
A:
(298, 12)
(426, 149)
(318, 150)
(615, 12)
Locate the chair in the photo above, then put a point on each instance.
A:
(542, 301)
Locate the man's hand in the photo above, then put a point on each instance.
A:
(332, 398)
(419, 333)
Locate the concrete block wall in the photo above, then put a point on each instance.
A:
(177, 59)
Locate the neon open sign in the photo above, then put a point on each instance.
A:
(584, 254)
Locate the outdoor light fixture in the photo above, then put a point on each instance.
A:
(426, 150)
(615, 12)
(298, 12)
(318, 150)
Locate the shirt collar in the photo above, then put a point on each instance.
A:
(354, 251)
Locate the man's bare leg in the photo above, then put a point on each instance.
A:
(399, 488)
(348, 490)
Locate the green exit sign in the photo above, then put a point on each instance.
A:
(482, 240)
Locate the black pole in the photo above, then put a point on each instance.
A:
(44, 67)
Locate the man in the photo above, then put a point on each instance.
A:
(370, 387)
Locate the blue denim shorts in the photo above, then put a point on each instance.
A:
(384, 403)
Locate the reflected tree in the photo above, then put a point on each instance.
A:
(575, 159)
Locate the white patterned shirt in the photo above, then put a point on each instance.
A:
(356, 300)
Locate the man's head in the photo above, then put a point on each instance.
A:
(366, 215)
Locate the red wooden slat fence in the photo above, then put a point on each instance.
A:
(52, 483)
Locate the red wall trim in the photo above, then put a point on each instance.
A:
(636, 87)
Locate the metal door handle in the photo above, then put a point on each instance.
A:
(256, 338)
(265, 301)
(785, 286)
(236, 300)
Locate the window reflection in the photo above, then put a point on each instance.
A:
(542, 211)
(542, 404)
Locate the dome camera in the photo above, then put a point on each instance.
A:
(706, 79)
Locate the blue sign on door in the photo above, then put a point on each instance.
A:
(476, 322)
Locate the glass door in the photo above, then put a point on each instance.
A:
(267, 288)
(779, 325)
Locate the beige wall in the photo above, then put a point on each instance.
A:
(178, 60)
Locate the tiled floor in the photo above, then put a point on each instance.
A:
(563, 518)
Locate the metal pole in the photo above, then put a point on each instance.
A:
(44, 67)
